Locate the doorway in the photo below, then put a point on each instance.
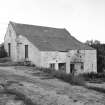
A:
(9, 49)
(62, 66)
(26, 51)
(72, 67)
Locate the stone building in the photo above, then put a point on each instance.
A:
(49, 47)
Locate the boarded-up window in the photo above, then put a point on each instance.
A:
(26, 51)
(9, 49)
(52, 65)
(62, 66)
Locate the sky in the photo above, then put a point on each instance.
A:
(84, 19)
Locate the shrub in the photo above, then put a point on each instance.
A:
(93, 76)
(89, 76)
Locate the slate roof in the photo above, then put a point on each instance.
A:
(49, 39)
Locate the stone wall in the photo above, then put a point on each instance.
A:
(90, 64)
(18, 47)
(87, 57)
(10, 37)
(33, 52)
(48, 57)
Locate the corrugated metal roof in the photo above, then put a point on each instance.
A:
(49, 39)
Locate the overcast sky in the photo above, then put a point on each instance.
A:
(84, 19)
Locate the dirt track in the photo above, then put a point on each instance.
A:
(45, 90)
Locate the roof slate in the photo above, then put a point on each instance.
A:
(49, 39)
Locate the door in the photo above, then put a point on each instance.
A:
(72, 67)
(26, 51)
(9, 49)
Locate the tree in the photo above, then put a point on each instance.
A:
(2, 51)
(89, 42)
(100, 54)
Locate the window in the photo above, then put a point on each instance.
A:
(62, 66)
(52, 66)
(26, 51)
(9, 49)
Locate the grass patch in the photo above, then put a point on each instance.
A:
(18, 95)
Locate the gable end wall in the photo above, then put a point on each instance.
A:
(10, 37)
(33, 52)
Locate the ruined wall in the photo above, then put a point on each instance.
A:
(85, 57)
(88, 57)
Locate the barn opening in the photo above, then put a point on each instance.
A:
(72, 67)
(9, 49)
(62, 66)
(26, 51)
(76, 67)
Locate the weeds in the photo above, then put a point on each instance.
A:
(74, 80)
(94, 77)
(80, 79)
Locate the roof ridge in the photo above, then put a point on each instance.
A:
(36, 25)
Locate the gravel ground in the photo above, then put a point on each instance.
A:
(45, 90)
